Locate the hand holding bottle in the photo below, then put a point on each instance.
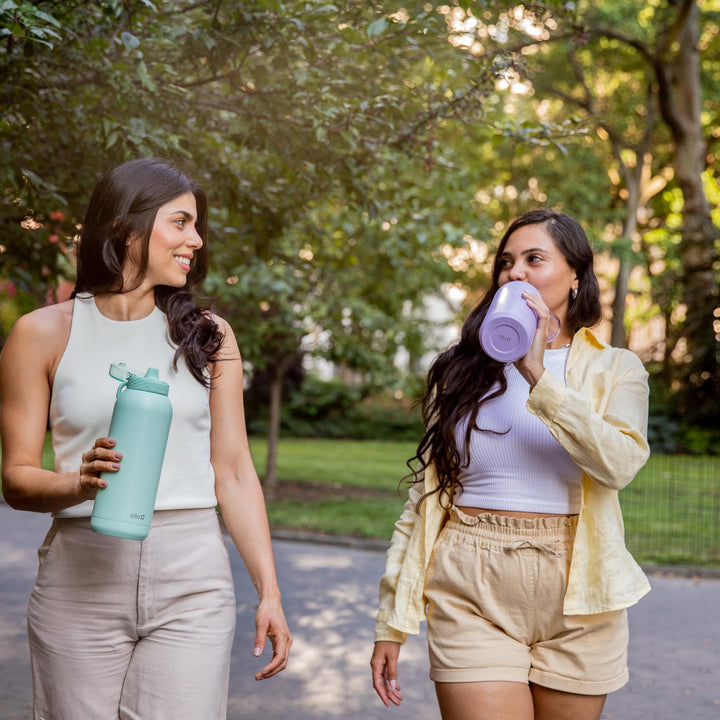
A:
(102, 457)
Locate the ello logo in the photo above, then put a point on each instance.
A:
(136, 516)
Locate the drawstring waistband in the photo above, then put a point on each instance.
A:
(550, 534)
(519, 544)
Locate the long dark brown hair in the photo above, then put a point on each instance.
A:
(463, 377)
(124, 204)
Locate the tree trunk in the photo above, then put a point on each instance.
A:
(276, 379)
(680, 104)
(618, 337)
(633, 180)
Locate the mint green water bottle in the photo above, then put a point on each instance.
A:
(140, 425)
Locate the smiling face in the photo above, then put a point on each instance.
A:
(530, 254)
(173, 242)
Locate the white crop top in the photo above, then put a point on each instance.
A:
(519, 465)
(83, 397)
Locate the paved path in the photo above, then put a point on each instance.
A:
(329, 596)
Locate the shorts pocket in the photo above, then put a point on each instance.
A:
(456, 566)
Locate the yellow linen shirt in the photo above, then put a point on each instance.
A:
(600, 418)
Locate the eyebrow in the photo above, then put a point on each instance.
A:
(184, 213)
(529, 251)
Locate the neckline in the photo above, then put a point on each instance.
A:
(122, 322)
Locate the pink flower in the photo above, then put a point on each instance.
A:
(57, 215)
(54, 238)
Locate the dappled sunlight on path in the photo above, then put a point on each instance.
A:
(330, 596)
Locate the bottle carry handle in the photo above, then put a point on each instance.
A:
(121, 372)
(553, 335)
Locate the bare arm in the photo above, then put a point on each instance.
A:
(27, 364)
(241, 501)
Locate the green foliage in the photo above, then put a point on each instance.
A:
(333, 409)
(322, 401)
(326, 135)
(605, 75)
(24, 22)
(382, 418)
(671, 432)
(663, 433)
(700, 440)
(357, 157)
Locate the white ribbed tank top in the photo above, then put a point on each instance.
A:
(83, 397)
(519, 465)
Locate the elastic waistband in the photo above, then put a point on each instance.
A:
(505, 527)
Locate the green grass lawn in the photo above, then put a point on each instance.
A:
(372, 464)
(361, 463)
(671, 510)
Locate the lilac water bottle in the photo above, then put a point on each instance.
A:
(510, 324)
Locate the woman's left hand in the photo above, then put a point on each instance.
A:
(270, 623)
(242, 503)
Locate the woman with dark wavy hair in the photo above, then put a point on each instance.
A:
(511, 541)
(120, 627)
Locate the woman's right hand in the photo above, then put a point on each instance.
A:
(384, 671)
(102, 457)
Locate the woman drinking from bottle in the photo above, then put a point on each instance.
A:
(511, 542)
(121, 627)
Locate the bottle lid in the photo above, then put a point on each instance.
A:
(120, 371)
(150, 383)
(133, 379)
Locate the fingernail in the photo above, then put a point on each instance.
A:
(257, 652)
(115, 466)
(103, 483)
(117, 456)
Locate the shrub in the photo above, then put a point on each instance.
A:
(332, 409)
(663, 434)
(699, 440)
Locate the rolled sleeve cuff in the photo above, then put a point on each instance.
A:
(383, 631)
(547, 396)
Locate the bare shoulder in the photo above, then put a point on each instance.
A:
(41, 334)
(222, 323)
(46, 324)
(229, 346)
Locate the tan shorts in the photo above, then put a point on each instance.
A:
(495, 587)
